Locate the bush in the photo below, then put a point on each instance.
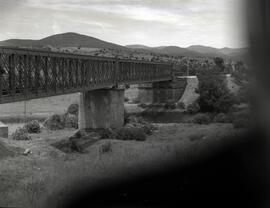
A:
(241, 123)
(242, 119)
(55, 122)
(21, 134)
(32, 127)
(71, 122)
(136, 119)
(130, 134)
(136, 101)
(241, 73)
(73, 109)
(107, 134)
(201, 119)
(214, 93)
(126, 99)
(170, 106)
(195, 137)
(143, 105)
(126, 116)
(105, 148)
(222, 118)
(180, 105)
(193, 108)
(136, 128)
(245, 95)
(140, 123)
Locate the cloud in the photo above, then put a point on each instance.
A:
(56, 28)
(150, 22)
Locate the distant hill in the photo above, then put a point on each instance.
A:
(210, 51)
(63, 40)
(197, 51)
(176, 51)
(169, 50)
(77, 40)
(231, 53)
(138, 47)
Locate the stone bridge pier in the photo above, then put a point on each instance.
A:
(102, 108)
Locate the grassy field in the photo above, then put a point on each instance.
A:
(32, 180)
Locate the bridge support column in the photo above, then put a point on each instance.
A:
(3, 130)
(101, 109)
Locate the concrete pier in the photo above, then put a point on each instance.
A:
(159, 92)
(3, 130)
(101, 109)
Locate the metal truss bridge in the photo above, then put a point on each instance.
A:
(28, 74)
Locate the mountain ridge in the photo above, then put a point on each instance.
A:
(72, 39)
(63, 40)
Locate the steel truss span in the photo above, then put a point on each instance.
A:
(28, 74)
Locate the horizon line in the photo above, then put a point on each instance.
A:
(242, 47)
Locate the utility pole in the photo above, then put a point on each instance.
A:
(188, 68)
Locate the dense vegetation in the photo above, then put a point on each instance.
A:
(214, 93)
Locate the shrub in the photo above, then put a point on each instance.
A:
(193, 108)
(21, 134)
(136, 101)
(180, 105)
(195, 137)
(201, 118)
(214, 93)
(73, 109)
(32, 127)
(55, 122)
(126, 116)
(241, 72)
(105, 148)
(126, 99)
(170, 106)
(222, 118)
(71, 122)
(130, 134)
(245, 95)
(242, 119)
(241, 123)
(140, 123)
(107, 134)
(143, 105)
(136, 119)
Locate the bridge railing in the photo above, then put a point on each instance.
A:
(28, 74)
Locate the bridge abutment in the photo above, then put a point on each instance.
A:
(158, 92)
(101, 109)
(168, 91)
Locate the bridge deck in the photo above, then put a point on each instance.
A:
(29, 74)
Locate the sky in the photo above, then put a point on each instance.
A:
(216, 23)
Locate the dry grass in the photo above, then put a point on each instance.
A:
(30, 181)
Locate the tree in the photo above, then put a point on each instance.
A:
(213, 90)
(219, 64)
